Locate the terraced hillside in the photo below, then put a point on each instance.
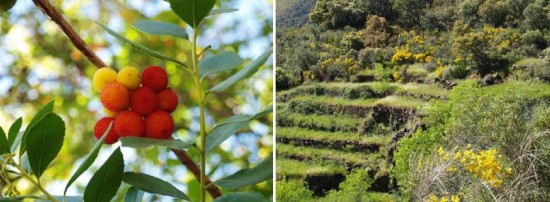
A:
(327, 130)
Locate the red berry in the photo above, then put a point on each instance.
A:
(159, 125)
(155, 78)
(168, 100)
(101, 127)
(128, 123)
(143, 101)
(115, 97)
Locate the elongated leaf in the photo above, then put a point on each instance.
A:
(226, 130)
(89, 159)
(4, 144)
(140, 142)
(152, 184)
(14, 130)
(44, 142)
(45, 110)
(192, 11)
(160, 28)
(222, 10)
(106, 181)
(241, 196)
(133, 195)
(262, 172)
(17, 140)
(222, 62)
(229, 126)
(141, 48)
(243, 73)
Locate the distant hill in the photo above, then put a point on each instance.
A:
(293, 13)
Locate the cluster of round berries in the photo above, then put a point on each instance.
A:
(138, 105)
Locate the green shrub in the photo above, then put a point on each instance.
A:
(354, 188)
(380, 73)
(293, 190)
(455, 72)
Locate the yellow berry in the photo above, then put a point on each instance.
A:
(102, 77)
(129, 77)
(109, 113)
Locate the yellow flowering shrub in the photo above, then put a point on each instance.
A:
(402, 56)
(452, 198)
(484, 164)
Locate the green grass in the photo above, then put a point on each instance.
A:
(295, 169)
(392, 101)
(328, 136)
(319, 122)
(422, 89)
(357, 158)
(532, 90)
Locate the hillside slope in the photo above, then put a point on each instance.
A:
(293, 13)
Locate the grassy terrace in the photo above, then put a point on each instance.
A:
(319, 122)
(295, 169)
(328, 136)
(364, 90)
(422, 89)
(392, 100)
(357, 158)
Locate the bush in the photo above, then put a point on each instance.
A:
(354, 188)
(293, 190)
(534, 37)
(380, 73)
(504, 118)
(455, 72)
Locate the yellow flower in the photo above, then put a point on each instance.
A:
(455, 198)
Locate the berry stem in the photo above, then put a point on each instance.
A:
(202, 118)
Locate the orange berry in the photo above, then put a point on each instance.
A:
(115, 97)
(143, 100)
(128, 123)
(155, 77)
(168, 100)
(159, 125)
(101, 127)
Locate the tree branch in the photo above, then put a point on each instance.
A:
(47, 8)
(190, 164)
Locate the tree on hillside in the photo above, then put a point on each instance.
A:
(336, 14)
(410, 11)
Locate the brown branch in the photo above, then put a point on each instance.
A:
(54, 15)
(190, 164)
(47, 8)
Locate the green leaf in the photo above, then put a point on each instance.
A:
(222, 10)
(6, 5)
(17, 140)
(133, 195)
(222, 62)
(152, 184)
(44, 141)
(192, 11)
(160, 28)
(229, 126)
(105, 183)
(225, 130)
(14, 130)
(262, 172)
(89, 159)
(241, 196)
(4, 144)
(242, 74)
(45, 110)
(141, 142)
(141, 48)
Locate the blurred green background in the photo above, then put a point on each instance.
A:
(39, 64)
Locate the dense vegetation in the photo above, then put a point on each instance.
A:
(447, 99)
